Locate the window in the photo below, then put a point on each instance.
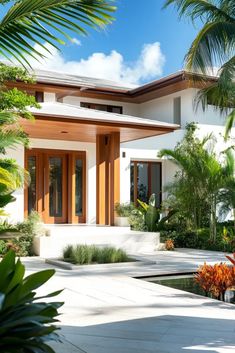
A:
(146, 179)
(103, 107)
(39, 96)
(177, 110)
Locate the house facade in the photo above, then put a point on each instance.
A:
(94, 143)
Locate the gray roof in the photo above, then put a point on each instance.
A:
(60, 78)
(70, 111)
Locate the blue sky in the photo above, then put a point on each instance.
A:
(137, 23)
(144, 43)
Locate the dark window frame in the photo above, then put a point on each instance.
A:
(107, 107)
(149, 163)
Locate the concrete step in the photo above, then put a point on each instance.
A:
(118, 237)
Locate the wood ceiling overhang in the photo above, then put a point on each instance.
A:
(75, 129)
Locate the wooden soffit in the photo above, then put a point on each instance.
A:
(142, 94)
(58, 128)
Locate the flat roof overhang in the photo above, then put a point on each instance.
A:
(57, 121)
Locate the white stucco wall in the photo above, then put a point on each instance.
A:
(128, 108)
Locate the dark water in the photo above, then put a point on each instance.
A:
(187, 284)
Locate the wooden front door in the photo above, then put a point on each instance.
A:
(57, 186)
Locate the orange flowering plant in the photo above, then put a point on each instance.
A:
(216, 279)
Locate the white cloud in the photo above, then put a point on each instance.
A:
(76, 41)
(110, 66)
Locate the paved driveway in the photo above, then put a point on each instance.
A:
(107, 311)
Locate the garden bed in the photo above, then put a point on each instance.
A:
(69, 266)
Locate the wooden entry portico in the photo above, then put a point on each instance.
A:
(57, 121)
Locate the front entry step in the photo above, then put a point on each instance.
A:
(120, 237)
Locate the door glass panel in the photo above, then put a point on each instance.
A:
(156, 182)
(142, 181)
(55, 186)
(32, 186)
(78, 187)
(132, 181)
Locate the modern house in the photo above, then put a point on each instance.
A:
(95, 142)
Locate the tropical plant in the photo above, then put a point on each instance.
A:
(216, 279)
(148, 217)
(213, 47)
(123, 209)
(27, 322)
(13, 107)
(202, 178)
(42, 22)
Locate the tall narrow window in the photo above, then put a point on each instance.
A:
(32, 188)
(78, 187)
(55, 187)
(177, 110)
(146, 179)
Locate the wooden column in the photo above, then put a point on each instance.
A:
(114, 174)
(107, 176)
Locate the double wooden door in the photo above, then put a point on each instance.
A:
(57, 187)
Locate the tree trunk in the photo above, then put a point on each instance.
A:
(213, 220)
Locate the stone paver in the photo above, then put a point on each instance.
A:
(110, 312)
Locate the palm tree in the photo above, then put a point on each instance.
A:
(200, 180)
(29, 22)
(214, 46)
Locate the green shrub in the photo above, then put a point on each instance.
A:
(200, 239)
(67, 253)
(6, 227)
(112, 255)
(137, 221)
(123, 209)
(88, 254)
(22, 244)
(27, 322)
(3, 247)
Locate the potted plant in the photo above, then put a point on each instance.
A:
(123, 211)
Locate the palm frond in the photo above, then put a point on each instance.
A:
(214, 44)
(229, 124)
(18, 176)
(206, 9)
(12, 137)
(36, 22)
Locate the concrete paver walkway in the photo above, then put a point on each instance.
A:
(110, 312)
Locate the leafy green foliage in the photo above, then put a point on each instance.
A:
(38, 22)
(88, 254)
(27, 322)
(20, 235)
(198, 186)
(137, 221)
(213, 46)
(123, 209)
(147, 217)
(200, 239)
(13, 106)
